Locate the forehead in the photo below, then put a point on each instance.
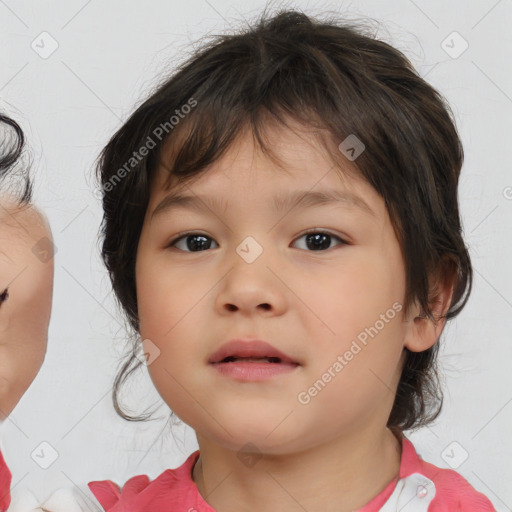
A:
(296, 162)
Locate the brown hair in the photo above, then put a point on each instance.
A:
(327, 74)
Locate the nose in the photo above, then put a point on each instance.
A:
(252, 288)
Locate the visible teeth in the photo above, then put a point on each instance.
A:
(253, 359)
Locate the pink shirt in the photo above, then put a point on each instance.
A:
(421, 487)
(5, 485)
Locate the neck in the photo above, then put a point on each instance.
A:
(342, 476)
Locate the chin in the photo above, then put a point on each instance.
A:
(255, 435)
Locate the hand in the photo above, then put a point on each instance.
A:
(62, 500)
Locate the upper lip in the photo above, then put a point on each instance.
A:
(249, 348)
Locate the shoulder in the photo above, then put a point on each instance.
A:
(453, 493)
(171, 489)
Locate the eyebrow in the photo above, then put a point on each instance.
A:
(281, 202)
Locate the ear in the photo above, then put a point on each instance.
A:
(421, 331)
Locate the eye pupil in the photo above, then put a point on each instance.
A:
(319, 241)
(202, 245)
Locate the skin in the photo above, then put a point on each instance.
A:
(25, 315)
(335, 453)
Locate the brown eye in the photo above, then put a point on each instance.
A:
(320, 240)
(316, 240)
(193, 242)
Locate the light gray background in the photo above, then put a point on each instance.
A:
(109, 54)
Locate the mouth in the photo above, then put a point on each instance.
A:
(250, 351)
(235, 359)
(252, 361)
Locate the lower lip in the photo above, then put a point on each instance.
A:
(253, 371)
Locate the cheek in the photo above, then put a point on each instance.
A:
(165, 296)
(167, 305)
(360, 310)
(354, 295)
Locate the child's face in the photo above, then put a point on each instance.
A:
(26, 269)
(310, 299)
